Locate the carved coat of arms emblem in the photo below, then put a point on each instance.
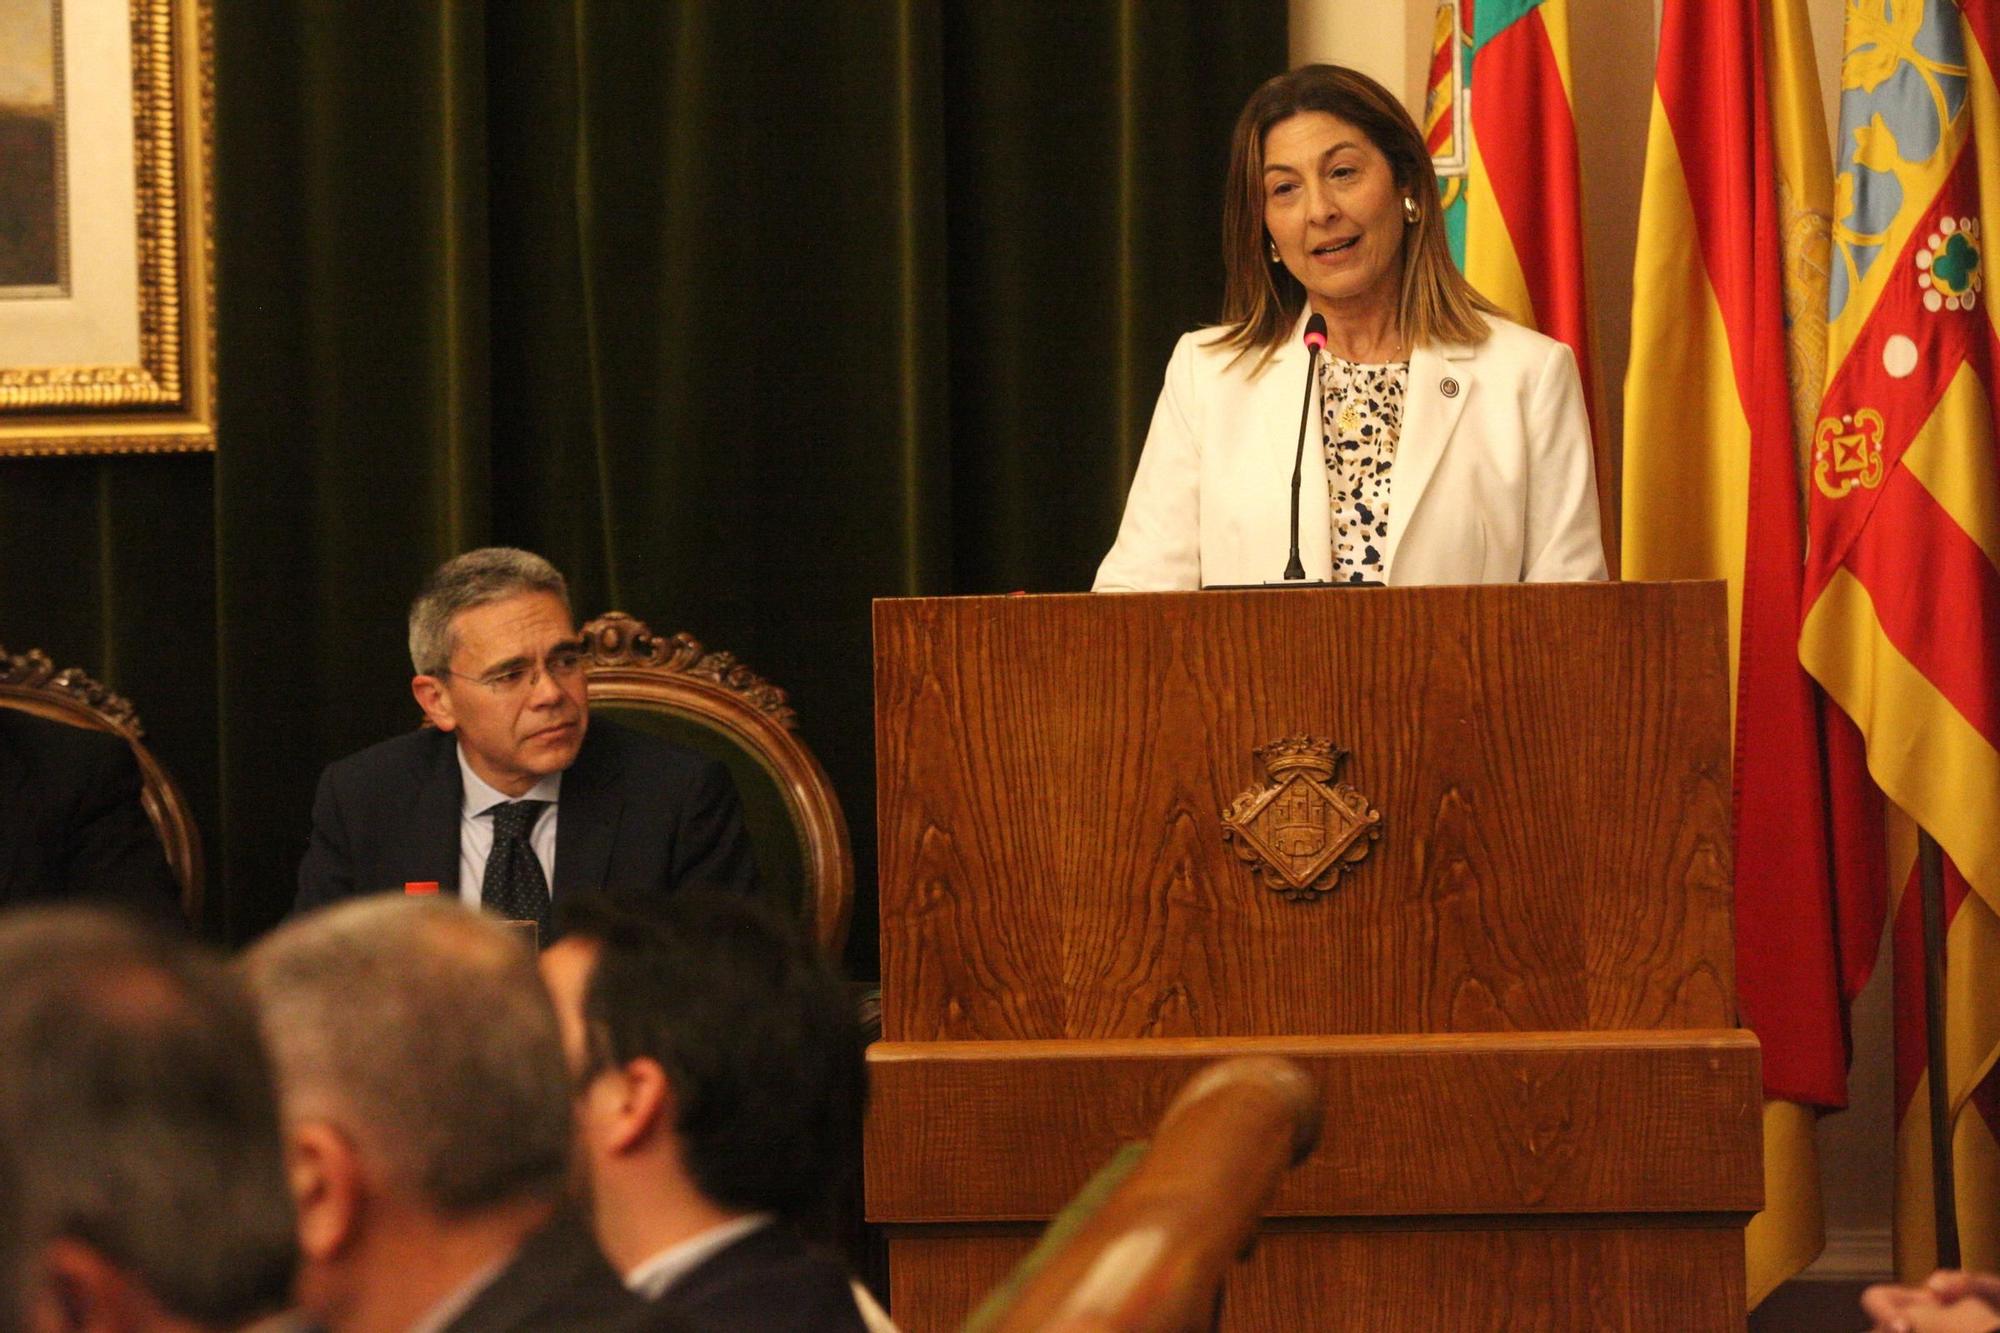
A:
(1301, 829)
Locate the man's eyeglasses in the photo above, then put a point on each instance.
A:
(563, 663)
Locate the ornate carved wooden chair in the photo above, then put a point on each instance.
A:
(673, 687)
(30, 682)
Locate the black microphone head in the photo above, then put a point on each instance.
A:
(1315, 338)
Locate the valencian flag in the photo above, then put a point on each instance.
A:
(1728, 359)
(1497, 114)
(1902, 590)
(1498, 118)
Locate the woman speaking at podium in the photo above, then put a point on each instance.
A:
(1448, 445)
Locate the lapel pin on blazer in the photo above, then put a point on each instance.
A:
(1448, 387)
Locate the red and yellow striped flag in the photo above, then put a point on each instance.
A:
(1444, 112)
(1732, 239)
(1524, 218)
(1902, 594)
(1523, 223)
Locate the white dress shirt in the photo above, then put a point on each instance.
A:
(652, 1278)
(475, 828)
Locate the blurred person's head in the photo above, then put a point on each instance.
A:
(717, 1065)
(140, 1129)
(426, 1111)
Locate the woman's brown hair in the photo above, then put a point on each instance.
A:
(1261, 300)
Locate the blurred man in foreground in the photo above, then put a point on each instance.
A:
(139, 1129)
(427, 1124)
(718, 1075)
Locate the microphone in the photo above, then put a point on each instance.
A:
(1315, 341)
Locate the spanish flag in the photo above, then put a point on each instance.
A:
(1520, 235)
(1902, 587)
(1728, 331)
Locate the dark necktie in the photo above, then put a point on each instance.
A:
(514, 886)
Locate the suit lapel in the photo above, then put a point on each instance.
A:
(587, 817)
(1440, 382)
(435, 818)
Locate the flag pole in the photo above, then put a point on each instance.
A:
(1944, 1194)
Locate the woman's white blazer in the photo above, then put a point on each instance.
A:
(1492, 482)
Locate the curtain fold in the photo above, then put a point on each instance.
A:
(108, 564)
(744, 315)
(354, 431)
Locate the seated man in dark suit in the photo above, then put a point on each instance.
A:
(719, 1083)
(426, 1114)
(71, 824)
(514, 794)
(139, 1131)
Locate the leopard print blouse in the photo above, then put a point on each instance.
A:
(1362, 410)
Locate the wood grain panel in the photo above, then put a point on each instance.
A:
(1551, 764)
(1538, 1123)
(1152, 1255)
(1611, 1279)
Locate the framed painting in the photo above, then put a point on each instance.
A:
(107, 288)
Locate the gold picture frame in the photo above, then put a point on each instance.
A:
(118, 355)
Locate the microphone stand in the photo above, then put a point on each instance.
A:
(1296, 569)
(1295, 572)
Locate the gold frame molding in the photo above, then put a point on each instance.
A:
(166, 402)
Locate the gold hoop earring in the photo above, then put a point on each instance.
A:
(1272, 247)
(1409, 210)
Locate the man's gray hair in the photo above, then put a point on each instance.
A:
(465, 581)
(138, 1116)
(421, 1029)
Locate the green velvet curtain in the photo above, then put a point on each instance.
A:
(743, 313)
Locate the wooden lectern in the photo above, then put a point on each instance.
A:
(1475, 878)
